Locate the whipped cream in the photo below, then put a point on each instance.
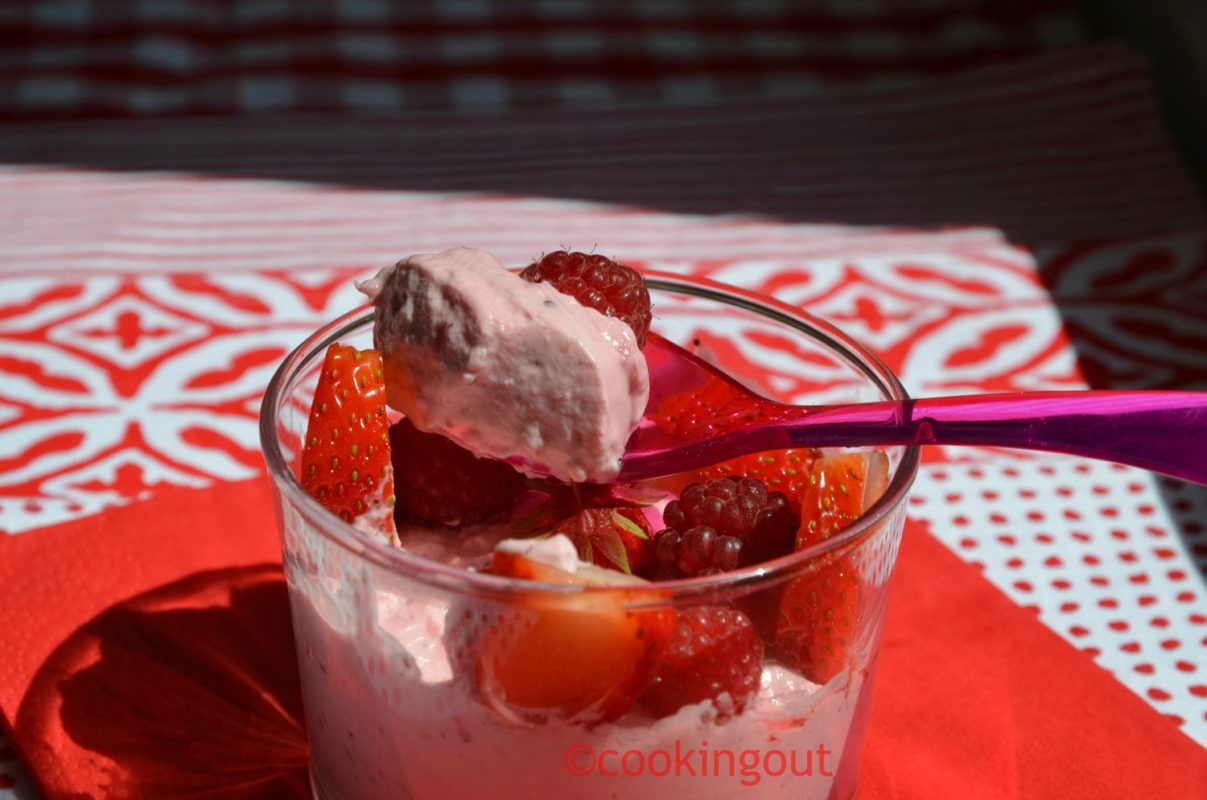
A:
(557, 551)
(509, 369)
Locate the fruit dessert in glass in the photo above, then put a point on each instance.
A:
(482, 610)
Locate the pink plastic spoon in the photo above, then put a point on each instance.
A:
(1162, 431)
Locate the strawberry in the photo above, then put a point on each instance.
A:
(717, 407)
(712, 651)
(839, 488)
(597, 282)
(346, 456)
(617, 538)
(818, 613)
(817, 620)
(785, 471)
(578, 656)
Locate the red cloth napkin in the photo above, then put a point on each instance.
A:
(976, 698)
(150, 656)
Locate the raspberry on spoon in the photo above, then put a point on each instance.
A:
(597, 282)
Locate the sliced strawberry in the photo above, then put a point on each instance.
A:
(784, 471)
(721, 407)
(818, 615)
(838, 490)
(346, 456)
(713, 651)
(718, 407)
(617, 538)
(579, 657)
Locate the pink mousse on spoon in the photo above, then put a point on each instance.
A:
(508, 369)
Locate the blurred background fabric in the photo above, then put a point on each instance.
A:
(96, 58)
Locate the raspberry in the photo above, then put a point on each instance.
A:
(698, 552)
(597, 282)
(721, 525)
(436, 481)
(711, 651)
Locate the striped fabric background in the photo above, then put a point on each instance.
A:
(1053, 148)
(73, 58)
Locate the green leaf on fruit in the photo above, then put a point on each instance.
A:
(621, 521)
(612, 548)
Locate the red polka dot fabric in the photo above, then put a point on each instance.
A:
(1111, 558)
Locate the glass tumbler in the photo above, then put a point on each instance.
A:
(390, 642)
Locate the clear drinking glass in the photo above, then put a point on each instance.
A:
(390, 715)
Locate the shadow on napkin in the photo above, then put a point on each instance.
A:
(1133, 311)
(190, 689)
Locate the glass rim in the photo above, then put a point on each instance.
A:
(365, 545)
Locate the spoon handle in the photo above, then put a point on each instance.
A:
(1161, 431)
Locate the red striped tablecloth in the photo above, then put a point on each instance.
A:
(1023, 224)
